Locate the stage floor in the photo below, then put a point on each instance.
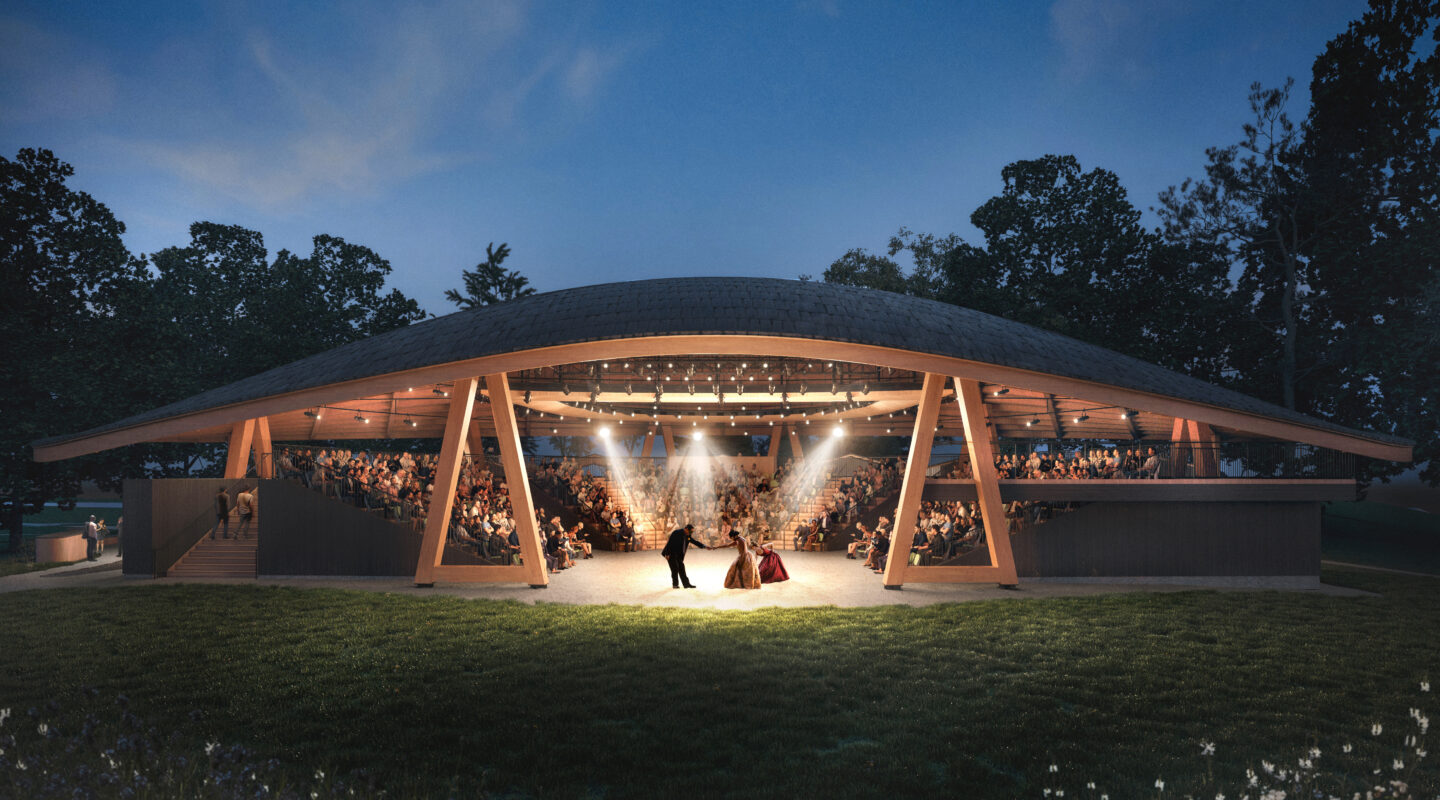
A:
(643, 579)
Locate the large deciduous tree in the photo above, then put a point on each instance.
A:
(1065, 250)
(1334, 227)
(63, 264)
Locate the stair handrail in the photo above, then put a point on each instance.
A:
(175, 548)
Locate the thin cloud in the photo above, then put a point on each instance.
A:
(1113, 37)
(46, 76)
(313, 126)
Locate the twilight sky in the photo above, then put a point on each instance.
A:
(607, 141)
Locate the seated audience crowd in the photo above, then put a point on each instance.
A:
(1097, 463)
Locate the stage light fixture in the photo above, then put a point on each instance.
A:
(629, 388)
(554, 430)
(803, 389)
(438, 391)
(565, 388)
(837, 431)
(605, 366)
(359, 418)
(604, 431)
(1124, 415)
(864, 388)
(698, 435)
(834, 387)
(999, 392)
(1082, 418)
(527, 396)
(690, 386)
(312, 414)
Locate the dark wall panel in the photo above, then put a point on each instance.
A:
(1173, 539)
(137, 535)
(303, 533)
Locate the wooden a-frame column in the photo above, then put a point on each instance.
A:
(913, 484)
(522, 506)
(987, 489)
(648, 444)
(264, 458)
(987, 482)
(237, 455)
(447, 474)
(796, 451)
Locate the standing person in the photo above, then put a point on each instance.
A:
(744, 573)
(92, 532)
(674, 552)
(222, 512)
(245, 502)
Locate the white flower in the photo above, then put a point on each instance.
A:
(1268, 767)
(1054, 767)
(1345, 748)
(1207, 748)
(1090, 785)
(1059, 792)
(1409, 741)
(1314, 752)
(1046, 792)
(1219, 796)
(20, 764)
(1397, 764)
(1306, 763)
(210, 747)
(1376, 729)
(1251, 778)
(265, 788)
(1104, 797)
(319, 774)
(1159, 784)
(42, 729)
(1424, 686)
(1420, 752)
(1424, 723)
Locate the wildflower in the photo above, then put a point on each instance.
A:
(1306, 763)
(210, 747)
(1047, 792)
(1219, 796)
(1376, 729)
(314, 796)
(1054, 767)
(1345, 748)
(1420, 753)
(1251, 778)
(1104, 797)
(20, 764)
(1397, 764)
(1268, 767)
(1424, 686)
(43, 729)
(319, 774)
(1159, 784)
(1314, 752)
(1059, 792)
(1090, 785)
(1207, 748)
(4, 715)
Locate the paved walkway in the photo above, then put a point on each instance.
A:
(642, 579)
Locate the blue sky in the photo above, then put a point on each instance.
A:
(607, 141)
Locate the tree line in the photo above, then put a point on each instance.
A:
(1299, 268)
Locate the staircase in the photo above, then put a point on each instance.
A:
(221, 557)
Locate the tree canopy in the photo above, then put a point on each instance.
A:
(489, 282)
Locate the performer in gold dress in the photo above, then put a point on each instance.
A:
(744, 573)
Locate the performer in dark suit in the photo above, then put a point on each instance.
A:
(674, 552)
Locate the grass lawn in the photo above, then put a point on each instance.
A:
(23, 560)
(437, 695)
(1381, 535)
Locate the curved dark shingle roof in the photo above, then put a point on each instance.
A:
(736, 306)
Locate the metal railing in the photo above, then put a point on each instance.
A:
(1174, 460)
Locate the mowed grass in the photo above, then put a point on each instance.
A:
(1380, 535)
(437, 695)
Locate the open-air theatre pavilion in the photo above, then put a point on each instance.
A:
(1240, 495)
